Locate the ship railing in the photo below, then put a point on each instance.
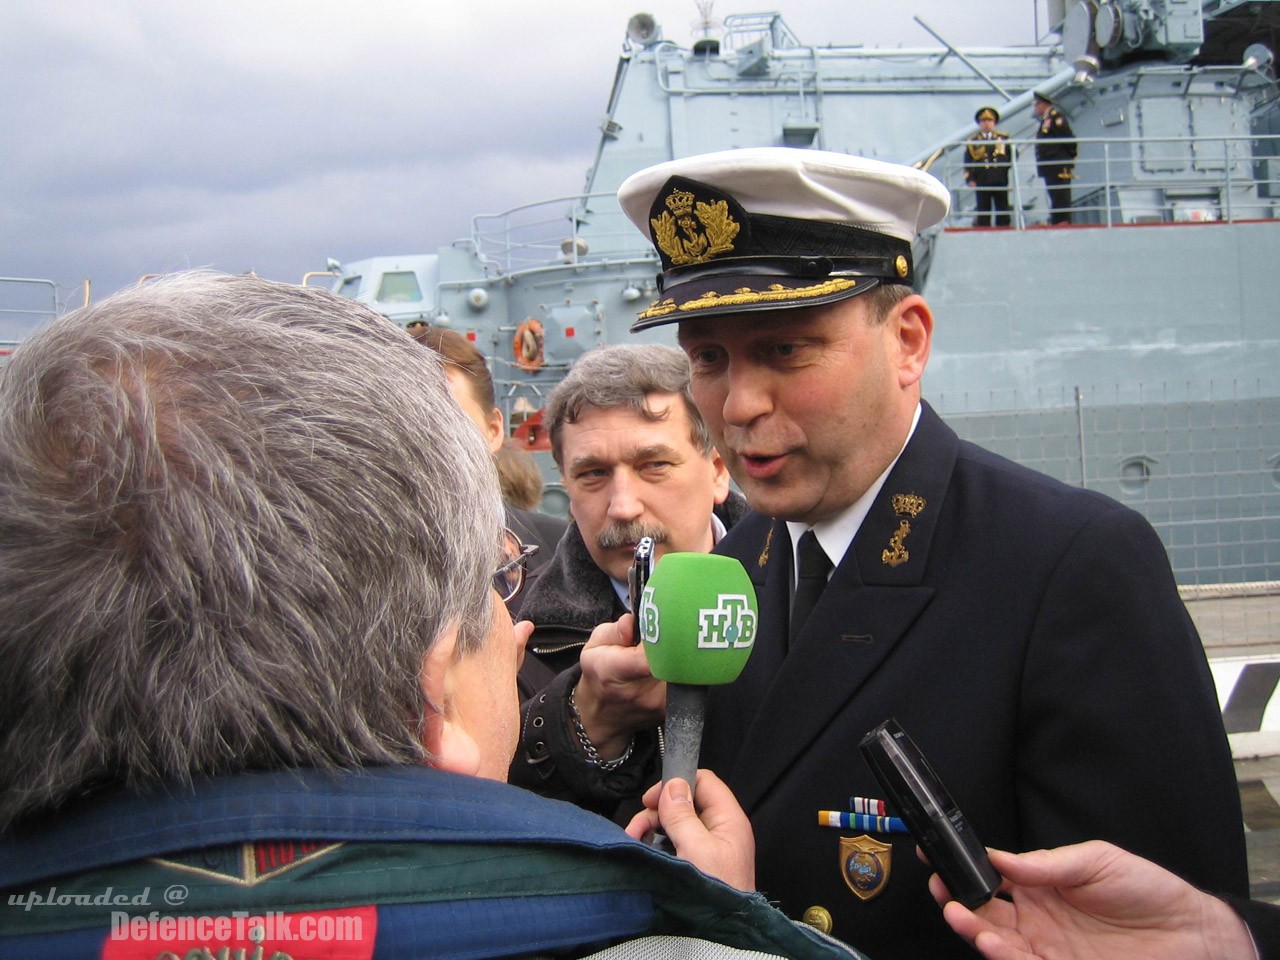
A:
(1136, 180)
(550, 233)
(26, 304)
(1118, 181)
(741, 30)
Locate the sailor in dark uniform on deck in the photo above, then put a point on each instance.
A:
(1055, 157)
(986, 169)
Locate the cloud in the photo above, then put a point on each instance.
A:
(148, 136)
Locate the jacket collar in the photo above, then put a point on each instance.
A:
(875, 594)
(382, 804)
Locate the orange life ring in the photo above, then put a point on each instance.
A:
(528, 345)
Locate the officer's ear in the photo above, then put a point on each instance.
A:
(910, 323)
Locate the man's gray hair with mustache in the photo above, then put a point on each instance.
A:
(623, 375)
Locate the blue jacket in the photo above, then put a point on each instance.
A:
(396, 862)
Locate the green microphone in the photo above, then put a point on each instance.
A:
(697, 622)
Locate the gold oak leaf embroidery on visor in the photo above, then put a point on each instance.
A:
(745, 295)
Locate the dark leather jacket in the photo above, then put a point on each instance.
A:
(571, 597)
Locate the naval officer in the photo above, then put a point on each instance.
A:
(1055, 156)
(1027, 634)
(986, 169)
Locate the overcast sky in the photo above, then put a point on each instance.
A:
(143, 136)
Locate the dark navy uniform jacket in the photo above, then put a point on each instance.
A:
(1031, 641)
(987, 159)
(1055, 143)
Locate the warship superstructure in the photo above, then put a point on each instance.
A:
(1132, 351)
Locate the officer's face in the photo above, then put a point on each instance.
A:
(628, 477)
(986, 124)
(809, 406)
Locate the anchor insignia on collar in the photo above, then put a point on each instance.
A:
(907, 506)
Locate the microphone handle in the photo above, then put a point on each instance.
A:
(681, 741)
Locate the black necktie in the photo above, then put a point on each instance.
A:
(813, 566)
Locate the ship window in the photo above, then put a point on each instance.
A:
(399, 287)
(350, 286)
(1274, 462)
(1135, 474)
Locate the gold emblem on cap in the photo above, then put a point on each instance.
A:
(865, 865)
(690, 231)
(819, 918)
(900, 264)
(680, 203)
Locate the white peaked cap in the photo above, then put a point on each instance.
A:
(771, 228)
(805, 185)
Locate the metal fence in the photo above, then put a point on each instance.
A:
(1200, 461)
(1137, 180)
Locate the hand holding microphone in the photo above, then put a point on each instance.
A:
(715, 836)
(697, 623)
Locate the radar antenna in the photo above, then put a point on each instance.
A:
(705, 25)
(706, 29)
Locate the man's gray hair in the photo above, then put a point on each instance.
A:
(623, 375)
(234, 517)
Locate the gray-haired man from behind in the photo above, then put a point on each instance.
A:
(255, 653)
(637, 461)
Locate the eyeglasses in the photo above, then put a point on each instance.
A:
(509, 577)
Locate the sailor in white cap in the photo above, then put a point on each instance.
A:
(1027, 634)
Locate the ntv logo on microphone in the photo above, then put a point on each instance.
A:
(731, 623)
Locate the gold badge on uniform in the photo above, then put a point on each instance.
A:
(865, 865)
(764, 554)
(907, 506)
